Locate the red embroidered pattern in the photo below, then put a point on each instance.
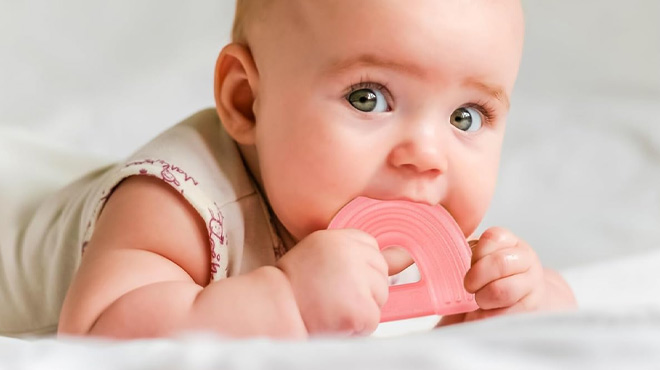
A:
(216, 235)
(168, 172)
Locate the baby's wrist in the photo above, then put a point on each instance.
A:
(284, 297)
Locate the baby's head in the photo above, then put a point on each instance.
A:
(334, 99)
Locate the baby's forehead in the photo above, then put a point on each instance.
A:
(439, 36)
(387, 19)
(328, 8)
(305, 14)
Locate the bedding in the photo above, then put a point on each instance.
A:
(591, 338)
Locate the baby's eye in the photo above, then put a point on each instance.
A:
(368, 100)
(466, 119)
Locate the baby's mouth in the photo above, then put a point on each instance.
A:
(406, 199)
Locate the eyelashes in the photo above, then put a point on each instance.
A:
(487, 111)
(367, 83)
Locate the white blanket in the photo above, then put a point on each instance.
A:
(84, 83)
(598, 339)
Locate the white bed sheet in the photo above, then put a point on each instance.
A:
(601, 339)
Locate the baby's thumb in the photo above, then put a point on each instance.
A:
(398, 259)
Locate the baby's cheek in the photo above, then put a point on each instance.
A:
(468, 204)
(468, 220)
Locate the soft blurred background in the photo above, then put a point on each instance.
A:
(580, 175)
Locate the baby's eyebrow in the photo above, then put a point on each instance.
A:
(364, 60)
(496, 92)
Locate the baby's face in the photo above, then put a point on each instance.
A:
(385, 99)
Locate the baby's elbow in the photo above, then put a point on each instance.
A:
(75, 320)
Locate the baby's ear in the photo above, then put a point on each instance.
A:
(236, 79)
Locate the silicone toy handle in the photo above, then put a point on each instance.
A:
(434, 241)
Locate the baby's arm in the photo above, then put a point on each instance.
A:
(145, 273)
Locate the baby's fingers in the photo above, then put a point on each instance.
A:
(492, 240)
(503, 263)
(398, 259)
(528, 303)
(504, 292)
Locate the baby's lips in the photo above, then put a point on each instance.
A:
(434, 241)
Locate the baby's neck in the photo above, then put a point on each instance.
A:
(284, 234)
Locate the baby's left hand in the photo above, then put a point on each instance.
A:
(506, 275)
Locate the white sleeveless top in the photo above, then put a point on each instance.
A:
(198, 159)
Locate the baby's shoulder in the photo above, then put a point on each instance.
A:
(146, 214)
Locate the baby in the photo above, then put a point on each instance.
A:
(220, 222)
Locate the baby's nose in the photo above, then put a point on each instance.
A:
(421, 151)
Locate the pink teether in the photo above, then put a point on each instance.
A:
(434, 241)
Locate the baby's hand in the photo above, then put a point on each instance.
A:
(506, 275)
(339, 279)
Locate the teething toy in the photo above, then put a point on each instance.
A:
(436, 244)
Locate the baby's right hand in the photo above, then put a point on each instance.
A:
(339, 279)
